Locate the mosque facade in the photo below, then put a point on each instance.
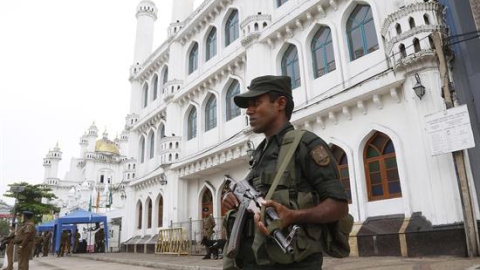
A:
(365, 76)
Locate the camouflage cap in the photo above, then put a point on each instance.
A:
(262, 85)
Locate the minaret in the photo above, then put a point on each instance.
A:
(51, 162)
(146, 16)
(83, 145)
(181, 10)
(91, 137)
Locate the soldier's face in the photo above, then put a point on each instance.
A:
(262, 114)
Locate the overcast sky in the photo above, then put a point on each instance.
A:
(63, 65)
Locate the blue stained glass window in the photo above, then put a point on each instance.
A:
(142, 150)
(232, 110)
(165, 79)
(322, 52)
(155, 87)
(152, 145)
(192, 124)
(290, 66)
(193, 59)
(211, 113)
(231, 28)
(211, 48)
(145, 95)
(361, 33)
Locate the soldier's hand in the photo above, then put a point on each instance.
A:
(285, 214)
(229, 201)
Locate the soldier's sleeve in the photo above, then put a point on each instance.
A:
(320, 169)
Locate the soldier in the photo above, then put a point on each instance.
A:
(9, 241)
(100, 241)
(208, 225)
(69, 241)
(25, 240)
(76, 242)
(312, 187)
(46, 242)
(38, 244)
(63, 242)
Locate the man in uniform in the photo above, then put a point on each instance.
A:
(208, 225)
(314, 188)
(38, 244)
(63, 242)
(25, 240)
(76, 242)
(100, 241)
(46, 243)
(9, 241)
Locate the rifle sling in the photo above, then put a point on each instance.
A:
(288, 156)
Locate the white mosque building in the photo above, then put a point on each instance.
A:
(354, 64)
(96, 178)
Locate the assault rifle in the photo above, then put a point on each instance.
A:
(251, 200)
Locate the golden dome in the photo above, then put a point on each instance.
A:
(105, 145)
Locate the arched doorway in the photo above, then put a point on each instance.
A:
(207, 203)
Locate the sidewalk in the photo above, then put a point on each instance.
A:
(352, 263)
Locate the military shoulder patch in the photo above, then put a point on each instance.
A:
(320, 155)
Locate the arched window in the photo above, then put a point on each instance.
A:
(160, 212)
(398, 27)
(342, 165)
(232, 110)
(165, 79)
(207, 203)
(152, 145)
(361, 33)
(149, 214)
(142, 150)
(383, 181)
(322, 52)
(161, 134)
(211, 113)
(416, 45)
(290, 66)
(426, 19)
(231, 28)
(193, 59)
(139, 213)
(411, 22)
(403, 52)
(155, 86)
(281, 2)
(211, 48)
(145, 95)
(192, 124)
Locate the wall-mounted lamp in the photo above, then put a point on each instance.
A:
(163, 179)
(418, 87)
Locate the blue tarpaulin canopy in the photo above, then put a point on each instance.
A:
(50, 225)
(76, 217)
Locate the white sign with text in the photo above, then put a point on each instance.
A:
(449, 130)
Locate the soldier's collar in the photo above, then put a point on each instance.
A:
(278, 137)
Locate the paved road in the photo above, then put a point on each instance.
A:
(130, 261)
(72, 263)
